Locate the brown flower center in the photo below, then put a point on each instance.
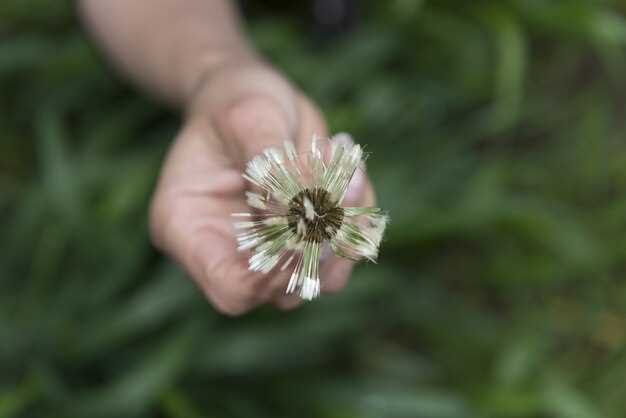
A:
(320, 225)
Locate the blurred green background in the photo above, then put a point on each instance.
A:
(498, 145)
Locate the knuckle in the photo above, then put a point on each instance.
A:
(231, 308)
(246, 293)
(164, 219)
(334, 286)
(276, 286)
(337, 281)
(225, 281)
(234, 297)
(234, 303)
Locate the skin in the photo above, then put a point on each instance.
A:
(234, 105)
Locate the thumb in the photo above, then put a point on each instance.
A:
(360, 191)
(256, 123)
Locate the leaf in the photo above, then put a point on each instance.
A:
(564, 401)
(141, 383)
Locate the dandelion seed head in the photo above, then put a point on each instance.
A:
(319, 214)
(299, 210)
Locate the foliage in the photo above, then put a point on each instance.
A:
(497, 135)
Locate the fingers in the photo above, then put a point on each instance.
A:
(191, 221)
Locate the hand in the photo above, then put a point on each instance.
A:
(240, 109)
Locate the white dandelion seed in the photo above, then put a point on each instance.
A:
(299, 211)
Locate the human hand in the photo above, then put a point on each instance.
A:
(240, 109)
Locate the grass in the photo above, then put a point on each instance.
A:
(497, 138)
